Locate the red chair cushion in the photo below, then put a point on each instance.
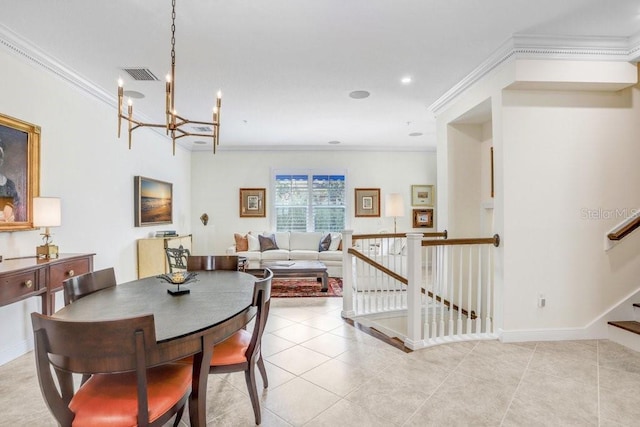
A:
(112, 399)
(232, 350)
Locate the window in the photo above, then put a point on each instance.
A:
(309, 202)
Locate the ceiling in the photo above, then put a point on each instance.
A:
(286, 67)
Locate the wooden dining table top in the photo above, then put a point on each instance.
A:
(215, 296)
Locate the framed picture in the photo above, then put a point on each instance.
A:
(153, 201)
(19, 173)
(422, 195)
(252, 202)
(367, 202)
(423, 218)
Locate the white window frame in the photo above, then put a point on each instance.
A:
(308, 172)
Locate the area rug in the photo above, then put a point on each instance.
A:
(289, 288)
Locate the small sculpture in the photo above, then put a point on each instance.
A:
(204, 218)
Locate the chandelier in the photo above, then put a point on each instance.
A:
(175, 124)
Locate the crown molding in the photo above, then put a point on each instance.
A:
(25, 50)
(531, 46)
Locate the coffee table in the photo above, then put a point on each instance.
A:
(299, 269)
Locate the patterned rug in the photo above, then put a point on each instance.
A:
(289, 288)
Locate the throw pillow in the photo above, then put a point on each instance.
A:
(242, 243)
(267, 243)
(254, 243)
(325, 242)
(396, 247)
(335, 241)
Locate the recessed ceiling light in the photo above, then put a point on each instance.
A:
(359, 94)
(334, 142)
(415, 134)
(406, 80)
(199, 142)
(133, 94)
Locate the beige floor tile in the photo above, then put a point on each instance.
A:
(329, 344)
(492, 369)
(272, 344)
(295, 314)
(275, 322)
(275, 375)
(297, 360)
(582, 350)
(562, 365)
(506, 352)
(619, 405)
(345, 413)
(298, 333)
(444, 356)
(325, 322)
(338, 377)
(613, 379)
(464, 401)
(614, 356)
(299, 401)
(554, 401)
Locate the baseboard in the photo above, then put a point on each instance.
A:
(14, 351)
(560, 334)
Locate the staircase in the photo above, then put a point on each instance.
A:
(627, 332)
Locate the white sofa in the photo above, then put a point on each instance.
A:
(293, 246)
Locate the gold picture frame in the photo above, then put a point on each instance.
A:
(422, 195)
(252, 202)
(19, 173)
(153, 201)
(423, 218)
(367, 202)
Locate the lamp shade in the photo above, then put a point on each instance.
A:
(394, 204)
(46, 212)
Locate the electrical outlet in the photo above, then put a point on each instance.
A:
(542, 301)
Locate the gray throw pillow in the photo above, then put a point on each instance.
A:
(267, 243)
(325, 242)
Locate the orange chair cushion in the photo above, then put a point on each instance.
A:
(232, 350)
(112, 399)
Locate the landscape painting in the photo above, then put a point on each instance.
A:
(153, 201)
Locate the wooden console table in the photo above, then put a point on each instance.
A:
(22, 278)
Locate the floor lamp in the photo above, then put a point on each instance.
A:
(394, 205)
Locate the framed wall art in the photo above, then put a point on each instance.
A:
(367, 202)
(252, 202)
(423, 218)
(19, 173)
(153, 201)
(422, 195)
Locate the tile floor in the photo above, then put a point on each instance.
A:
(323, 372)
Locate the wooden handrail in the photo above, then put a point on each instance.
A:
(356, 253)
(394, 235)
(495, 241)
(625, 229)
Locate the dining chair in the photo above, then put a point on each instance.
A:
(85, 284)
(212, 262)
(177, 258)
(124, 389)
(242, 350)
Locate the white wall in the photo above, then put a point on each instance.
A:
(84, 163)
(559, 156)
(567, 155)
(217, 180)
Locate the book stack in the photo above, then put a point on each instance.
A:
(166, 233)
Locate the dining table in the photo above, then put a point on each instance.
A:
(188, 324)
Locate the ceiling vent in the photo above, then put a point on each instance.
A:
(140, 74)
(203, 129)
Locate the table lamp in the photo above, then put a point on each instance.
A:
(46, 213)
(394, 206)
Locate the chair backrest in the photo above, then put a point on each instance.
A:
(177, 258)
(80, 286)
(262, 301)
(212, 262)
(89, 348)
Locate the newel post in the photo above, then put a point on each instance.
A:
(347, 275)
(414, 295)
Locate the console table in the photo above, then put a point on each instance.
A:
(22, 278)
